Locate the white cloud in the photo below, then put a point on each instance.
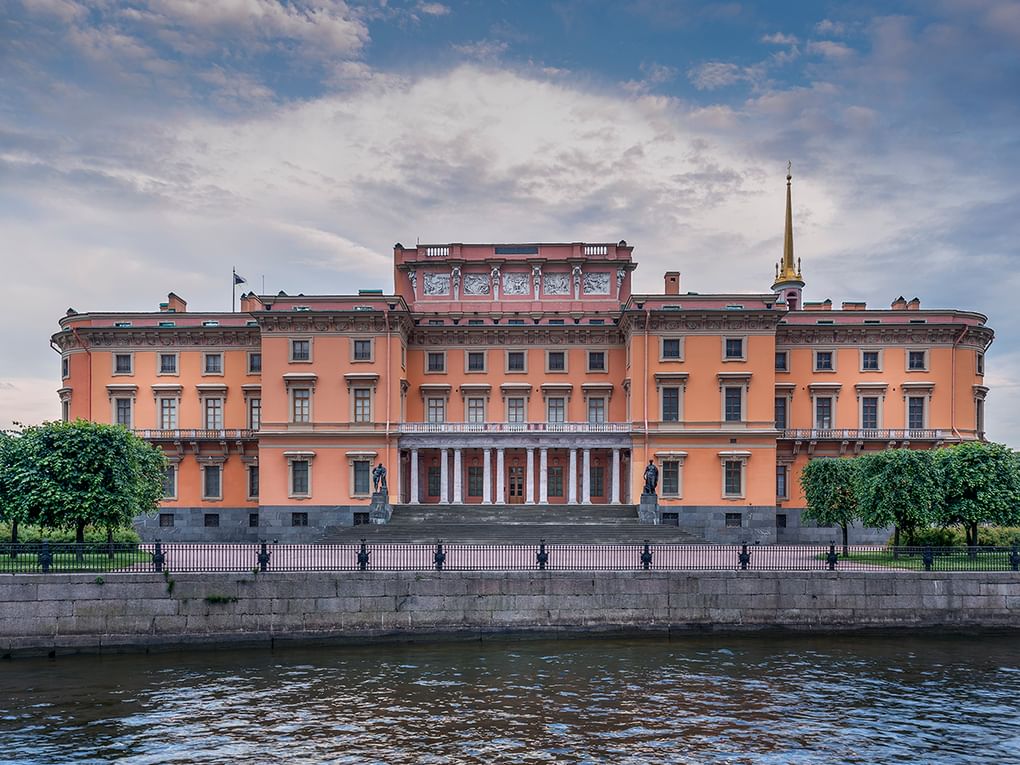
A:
(831, 49)
(831, 28)
(713, 75)
(482, 50)
(778, 38)
(434, 9)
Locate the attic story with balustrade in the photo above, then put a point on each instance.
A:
(497, 375)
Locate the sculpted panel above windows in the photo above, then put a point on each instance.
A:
(596, 283)
(556, 284)
(476, 284)
(437, 284)
(516, 284)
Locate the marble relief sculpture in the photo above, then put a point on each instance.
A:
(556, 284)
(412, 276)
(576, 273)
(476, 284)
(494, 276)
(515, 284)
(620, 274)
(536, 274)
(596, 283)
(437, 284)
(455, 278)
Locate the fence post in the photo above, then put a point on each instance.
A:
(646, 556)
(158, 558)
(1014, 558)
(542, 556)
(263, 556)
(363, 556)
(744, 557)
(927, 557)
(45, 557)
(831, 558)
(439, 557)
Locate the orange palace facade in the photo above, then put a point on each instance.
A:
(519, 374)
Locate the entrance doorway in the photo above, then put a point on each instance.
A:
(515, 484)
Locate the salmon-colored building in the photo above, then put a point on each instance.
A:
(520, 373)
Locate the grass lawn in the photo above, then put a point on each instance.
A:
(69, 562)
(957, 560)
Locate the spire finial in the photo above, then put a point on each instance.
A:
(788, 270)
(789, 170)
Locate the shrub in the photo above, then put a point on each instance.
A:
(92, 534)
(954, 536)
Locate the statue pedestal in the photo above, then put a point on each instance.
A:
(380, 510)
(648, 510)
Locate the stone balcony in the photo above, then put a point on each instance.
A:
(514, 427)
(865, 434)
(194, 434)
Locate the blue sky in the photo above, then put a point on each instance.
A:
(152, 145)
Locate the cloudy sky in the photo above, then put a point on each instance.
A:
(151, 145)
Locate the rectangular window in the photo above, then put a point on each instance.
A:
(596, 410)
(598, 480)
(211, 475)
(436, 410)
(733, 406)
(671, 348)
(299, 477)
(780, 412)
(555, 481)
(65, 368)
(671, 405)
(362, 404)
(123, 411)
(123, 363)
(823, 361)
(168, 363)
(253, 520)
(475, 322)
(557, 361)
(300, 350)
(436, 361)
(823, 412)
(781, 520)
(782, 361)
(253, 481)
(363, 350)
(515, 410)
(254, 363)
(734, 485)
(979, 360)
(979, 415)
(362, 475)
(476, 361)
(781, 482)
(166, 520)
(476, 410)
(212, 520)
(917, 360)
(476, 480)
(596, 361)
(65, 410)
(168, 413)
(214, 414)
(299, 519)
(869, 413)
(213, 364)
(255, 413)
(869, 361)
(434, 480)
(733, 521)
(556, 410)
(170, 482)
(670, 478)
(301, 403)
(734, 347)
(515, 361)
(915, 412)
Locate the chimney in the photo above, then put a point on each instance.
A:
(854, 306)
(174, 304)
(672, 282)
(899, 304)
(914, 305)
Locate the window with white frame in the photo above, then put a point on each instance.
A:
(915, 412)
(869, 412)
(362, 349)
(168, 413)
(672, 349)
(733, 348)
(212, 482)
(823, 412)
(781, 403)
(168, 363)
(596, 361)
(782, 490)
(825, 361)
(670, 397)
(213, 364)
(255, 413)
(596, 410)
(476, 409)
(476, 361)
(782, 361)
(253, 481)
(917, 361)
(301, 350)
(65, 368)
(871, 361)
(516, 361)
(556, 361)
(362, 404)
(213, 413)
(733, 478)
(979, 415)
(670, 478)
(301, 405)
(170, 482)
(123, 363)
(979, 361)
(515, 410)
(254, 363)
(436, 409)
(733, 410)
(300, 478)
(122, 411)
(65, 410)
(361, 474)
(556, 409)
(435, 361)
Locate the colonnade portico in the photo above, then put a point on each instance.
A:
(514, 473)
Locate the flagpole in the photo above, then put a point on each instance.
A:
(233, 288)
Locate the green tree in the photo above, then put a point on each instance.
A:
(12, 507)
(831, 494)
(70, 475)
(980, 484)
(897, 487)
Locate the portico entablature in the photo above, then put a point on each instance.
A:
(468, 440)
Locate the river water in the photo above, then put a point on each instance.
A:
(713, 699)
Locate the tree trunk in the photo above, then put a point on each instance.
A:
(79, 538)
(896, 541)
(14, 538)
(846, 544)
(109, 543)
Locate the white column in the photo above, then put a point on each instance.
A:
(615, 497)
(543, 475)
(529, 480)
(586, 478)
(487, 475)
(458, 478)
(444, 477)
(414, 477)
(572, 483)
(500, 476)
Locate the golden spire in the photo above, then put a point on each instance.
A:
(787, 270)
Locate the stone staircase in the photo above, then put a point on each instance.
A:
(505, 524)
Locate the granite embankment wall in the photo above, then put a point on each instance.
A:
(66, 613)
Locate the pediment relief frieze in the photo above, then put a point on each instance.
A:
(159, 338)
(491, 336)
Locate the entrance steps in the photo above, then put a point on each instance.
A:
(512, 524)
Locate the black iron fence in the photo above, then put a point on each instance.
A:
(45, 557)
